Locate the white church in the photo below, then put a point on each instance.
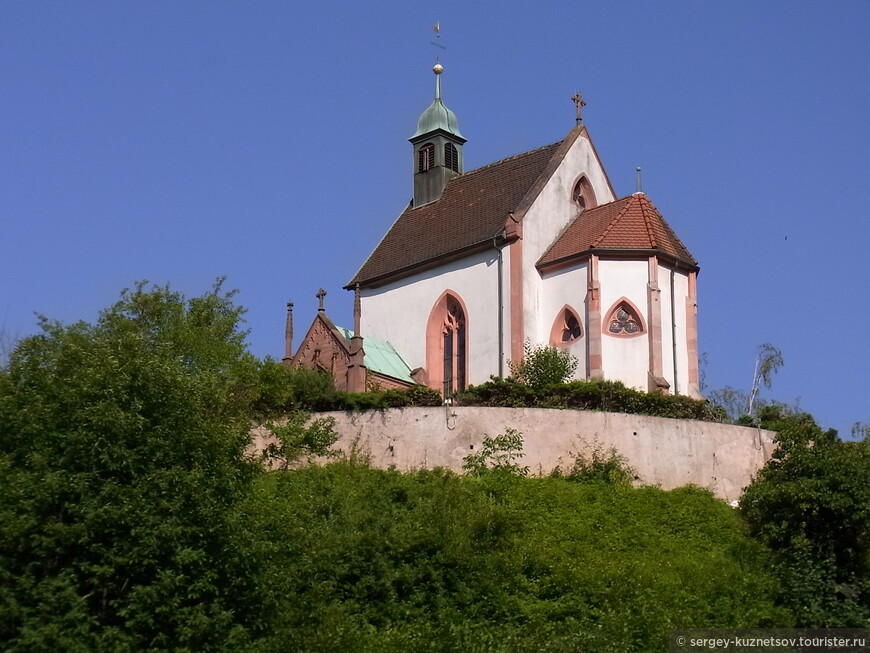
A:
(536, 247)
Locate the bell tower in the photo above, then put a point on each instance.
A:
(437, 147)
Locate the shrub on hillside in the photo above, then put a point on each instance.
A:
(370, 560)
(599, 466)
(497, 454)
(611, 396)
(811, 505)
(543, 365)
(284, 389)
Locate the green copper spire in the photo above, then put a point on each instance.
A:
(437, 116)
(437, 148)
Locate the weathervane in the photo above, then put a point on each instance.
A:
(437, 29)
(580, 102)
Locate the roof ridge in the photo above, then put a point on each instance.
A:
(673, 234)
(613, 222)
(669, 232)
(647, 221)
(509, 158)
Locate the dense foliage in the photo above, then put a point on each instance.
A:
(811, 505)
(284, 389)
(610, 396)
(360, 559)
(121, 454)
(133, 517)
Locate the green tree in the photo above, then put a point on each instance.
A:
(768, 361)
(543, 365)
(122, 447)
(298, 437)
(497, 454)
(811, 505)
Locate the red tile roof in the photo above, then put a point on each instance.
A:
(632, 222)
(471, 211)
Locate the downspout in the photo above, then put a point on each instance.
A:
(500, 275)
(674, 331)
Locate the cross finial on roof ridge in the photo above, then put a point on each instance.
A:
(580, 103)
(321, 294)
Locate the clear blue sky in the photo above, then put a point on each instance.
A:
(266, 141)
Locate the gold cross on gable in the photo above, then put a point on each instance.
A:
(580, 103)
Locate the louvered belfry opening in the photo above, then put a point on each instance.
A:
(451, 157)
(426, 158)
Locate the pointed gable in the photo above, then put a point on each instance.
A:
(630, 223)
(472, 211)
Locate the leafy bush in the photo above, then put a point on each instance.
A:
(284, 389)
(384, 399)
(599, 466)
(811, 505)
(543, 365)
(298, 437)
(498, 455)
(610, 396)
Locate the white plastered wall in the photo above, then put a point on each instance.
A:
(564, 287)
(623, 358)
(676, 327)
(546, 219)
(399, 311)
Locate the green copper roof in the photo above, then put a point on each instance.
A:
(437, 116)
(382, 357)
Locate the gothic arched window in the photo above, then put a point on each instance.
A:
(571, 330)
(453, 335)
(583, 195)
(451, 157)
(426, 158)
(624, 320)
(447, 344)
(566, 328)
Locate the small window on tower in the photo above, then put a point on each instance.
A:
(426, 158)
(451, 157)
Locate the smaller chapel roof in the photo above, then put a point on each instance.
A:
(381, 357)
(628, 223)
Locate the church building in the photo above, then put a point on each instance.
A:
(536, 247)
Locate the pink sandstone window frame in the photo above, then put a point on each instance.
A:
(561, 326)
(582, 193)
(634, 317)
(447, 337)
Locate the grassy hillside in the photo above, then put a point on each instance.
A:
(360, 559)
